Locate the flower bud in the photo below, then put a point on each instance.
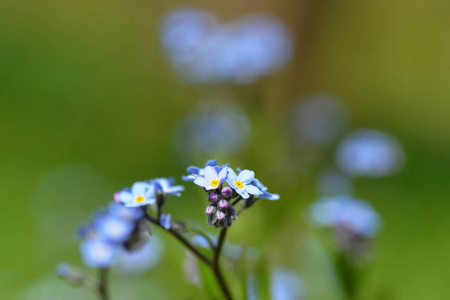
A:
(223, 204)
(213, 197)
(227, 192)
(220, 215)
(210, 209)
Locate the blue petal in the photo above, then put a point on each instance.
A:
(243, 193)
(231, 175)
(223, 174)
(192, 170)
(246, 176)
(210, 173)
(125, 196)
(212, 163)
(251, 189)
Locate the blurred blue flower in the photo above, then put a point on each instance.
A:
(165, 221)
(113, 229)
(204, 51)
(242, 183)
(332, 183)
(139, 261)
(166, 186)
(194, 171)
(286, 285)
(346, 212)
(319, 120)
(370, 153)
(125, 213)
(211, 179)
(98, 253)
(141, 193)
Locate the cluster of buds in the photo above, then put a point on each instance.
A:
(220, 211)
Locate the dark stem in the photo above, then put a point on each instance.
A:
(216, 266)
(103, 284)
(180, 238)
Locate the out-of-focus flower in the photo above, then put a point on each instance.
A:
(204, 51)
(139, 261)
(286, 285)
(242, 183)
(166, 186)
(370, 153)
(320, 120)
(211, 179)
(213, 128)
(125, 213)
(70, 274)
(346, 212)
(114, 229)
(98, 253)
(165, 221)
(141, 193)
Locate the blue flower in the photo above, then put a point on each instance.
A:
(286, 285)
(98, 253)
(212, 179)
(195, 171)
(346, 212)
(242, 183)
(113, 229)
(125, 213)
(166, 186)
(141, 193)
(139, 261)
(265, 194)
(164, 220)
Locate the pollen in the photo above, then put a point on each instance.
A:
(239, 184)
(140, 199)
(214, 182)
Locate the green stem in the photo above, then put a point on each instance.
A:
(103, 284)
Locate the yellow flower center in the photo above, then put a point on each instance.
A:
(140, 199)
(239, 184)
(214, 182)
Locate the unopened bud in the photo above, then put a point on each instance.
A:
(223, 204)
(213, 197)
(210, 210)
(227, 192)
(220, 215)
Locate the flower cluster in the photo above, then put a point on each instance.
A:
(242, 186)
(203, 50)
(116, 229)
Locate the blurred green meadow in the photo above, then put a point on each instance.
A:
(89, 104)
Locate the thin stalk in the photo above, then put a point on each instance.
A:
(180, 238)
(216, 266)
(103, 284)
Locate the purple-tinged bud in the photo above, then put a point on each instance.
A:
(220, 215)
(227, 192)
(116, 198)
(210, 210)
(213, 197)
(223, 204)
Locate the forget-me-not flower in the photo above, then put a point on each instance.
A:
(212, 179)
(242, 183)
(98, 253)
(141, 193)
(113, 229)
(166, 186)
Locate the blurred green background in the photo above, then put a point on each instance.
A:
(89, 104)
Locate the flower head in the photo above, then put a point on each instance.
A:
(113, 229)
(140, 194)
(98, 253)
(242, 183)
(212, 179)
(166, 186)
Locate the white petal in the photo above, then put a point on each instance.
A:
(125, 197)
(201, 181)
(223, 174)
(231, 175)
(139, 188)
(210, 173)
(251, 189)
